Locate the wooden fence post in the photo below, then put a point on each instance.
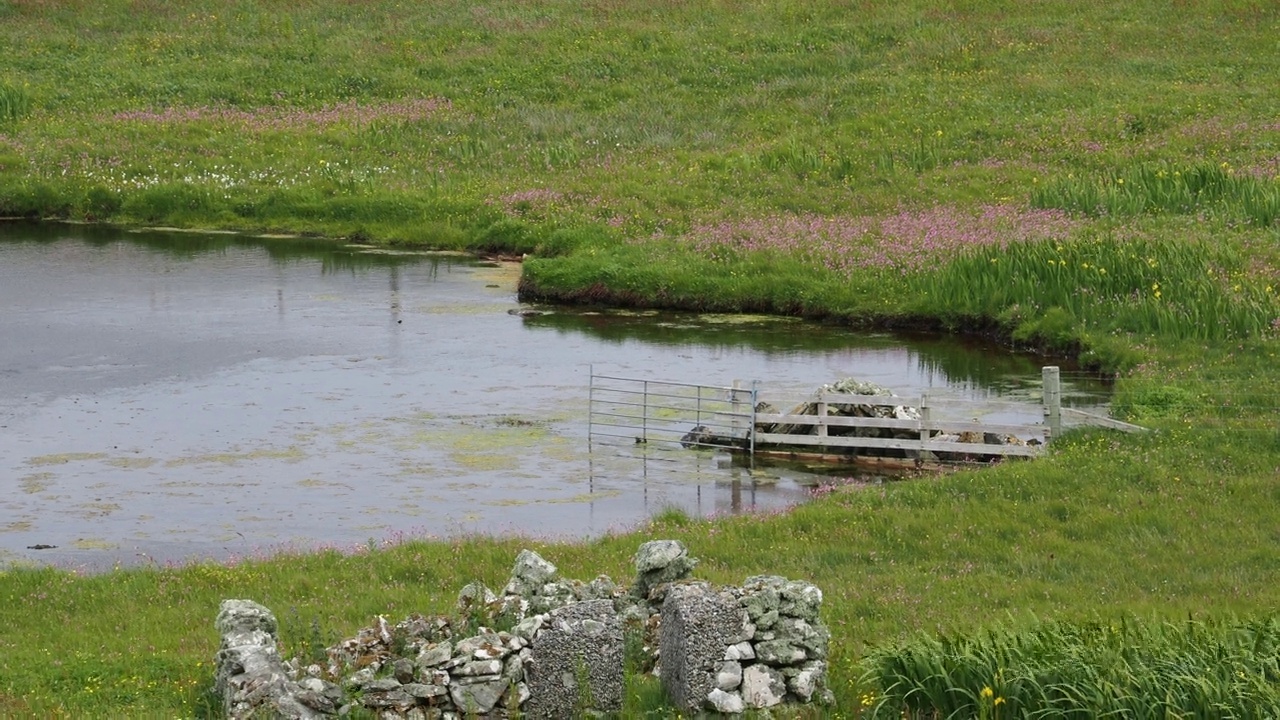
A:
(1052, 382)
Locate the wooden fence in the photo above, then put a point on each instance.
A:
(925, 426)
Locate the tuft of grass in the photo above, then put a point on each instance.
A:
(15, 102)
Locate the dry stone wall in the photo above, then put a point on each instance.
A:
(561, 652)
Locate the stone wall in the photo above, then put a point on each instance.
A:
(561, 652)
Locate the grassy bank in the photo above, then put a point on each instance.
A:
(1098, 179)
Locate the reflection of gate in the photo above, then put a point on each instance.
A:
(650, 411)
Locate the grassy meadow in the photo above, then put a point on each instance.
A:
(1095, 179)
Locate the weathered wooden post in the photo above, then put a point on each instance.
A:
(924, 419)
(822, 415)
(735, 410)
(1052, 383)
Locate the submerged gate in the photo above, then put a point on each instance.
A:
(655, 411)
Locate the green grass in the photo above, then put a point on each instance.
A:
(888, 164)
(1126, 668)
(1203, 189)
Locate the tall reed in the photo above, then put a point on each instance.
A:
(1158, 287)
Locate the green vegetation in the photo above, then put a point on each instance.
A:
(1124, 669)
(1100, 178)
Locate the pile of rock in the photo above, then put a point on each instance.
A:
(848, 386)
(562, 656)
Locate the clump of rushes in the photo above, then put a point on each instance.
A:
(15, 102)
(1109, 282)
(1149, 188)
(1130, 668)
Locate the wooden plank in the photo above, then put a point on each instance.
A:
(1104, 421)
(838, 421)
(897, 444)
(972, 407)
(947, 426)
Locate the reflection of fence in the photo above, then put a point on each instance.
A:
(922, 427)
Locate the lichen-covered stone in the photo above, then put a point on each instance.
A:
(530, 573)
(249, 675)
(779, 652)
(435, 654)
(800, 600)
(659, 562)
(478, 698)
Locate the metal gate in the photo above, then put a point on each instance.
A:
(685, 414)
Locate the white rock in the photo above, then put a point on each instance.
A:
(729, 675)
(729, 703)
(741, 651)
(762, 686)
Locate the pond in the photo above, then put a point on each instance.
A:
(166, 396)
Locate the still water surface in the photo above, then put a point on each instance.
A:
(169, 396)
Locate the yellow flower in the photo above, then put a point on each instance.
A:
(999, 701)
(1119, 181)
(1157, 294)
(986, 692)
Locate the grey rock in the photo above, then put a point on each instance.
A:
(528, 627)
(436, 654)
(807, 680)
(762, 686)
(530, 573)
(578, 643)
(761, 602)
(249, 676)
(433, 676)
(402, 670)
(779, 652)
(801, 600)
(741, 651)
(424, 691)
(359, 678)
(661, 561)
(474, 597)
(729, 675)
(479, 667)
(812, 638)
(381, 685)
(478, 698)
(397, 698)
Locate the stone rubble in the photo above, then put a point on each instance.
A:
(724, 650)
